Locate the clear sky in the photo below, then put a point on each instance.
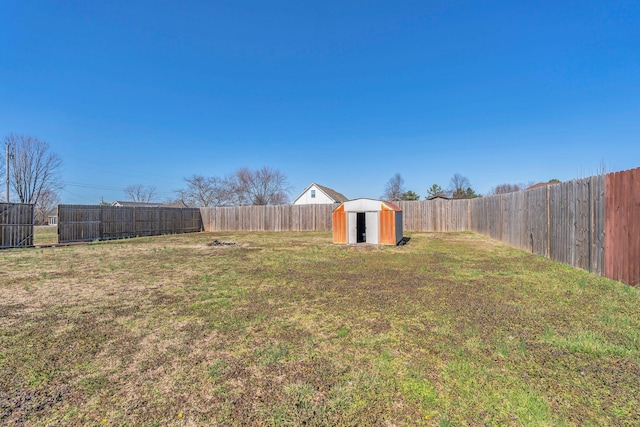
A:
(342, 93)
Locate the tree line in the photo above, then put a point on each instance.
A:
(32, 174)
(264, 186)
(459, 188)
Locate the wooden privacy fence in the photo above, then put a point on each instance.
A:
(16, 225)
(78, 223)
(268, 218)
(591, 223)
(564, 222)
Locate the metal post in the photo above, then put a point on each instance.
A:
(7, 169)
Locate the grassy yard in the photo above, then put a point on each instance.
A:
(45, 234)
(290, 329)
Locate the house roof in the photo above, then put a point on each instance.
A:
(129, 204)
(329, 192)
(438, 196)
(540, 184)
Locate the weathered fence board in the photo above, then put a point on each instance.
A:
(77, 223)
(598, 223)
(16, 225)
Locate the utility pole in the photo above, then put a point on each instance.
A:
(7, 169)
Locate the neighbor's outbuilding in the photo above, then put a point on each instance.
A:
(367, 221)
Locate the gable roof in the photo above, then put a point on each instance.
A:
(130, 204)
(541, 184)
(330, 193)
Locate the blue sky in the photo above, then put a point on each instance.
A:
(344, 94)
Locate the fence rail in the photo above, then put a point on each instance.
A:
(78, 223)
(16, 225)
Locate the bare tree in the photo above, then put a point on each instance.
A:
(265, 186)
(506, 188)
(45, 207)
(460, 187)
(394, 190)
(204, 191)
(2, 163)
(33, 169)
(458, 184)
(239, 186)
(140, 193)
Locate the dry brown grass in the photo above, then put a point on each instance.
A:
(290, 329)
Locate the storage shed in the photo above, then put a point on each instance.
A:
(367, 221)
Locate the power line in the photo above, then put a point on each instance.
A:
(79, 196)
(92, 186)
(105, 187)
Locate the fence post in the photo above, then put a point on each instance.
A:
(548, 251)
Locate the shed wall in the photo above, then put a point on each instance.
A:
(387, 227)
(340, 226)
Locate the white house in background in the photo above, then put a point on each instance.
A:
(319, 194)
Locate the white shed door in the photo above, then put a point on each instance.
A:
(373, 226)
(352, 227)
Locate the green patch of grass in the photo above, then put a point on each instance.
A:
(590, 343)
(272, 353)
(494, 397)
(343, 332)
(503, 349)
(548, 333)
(216, 369)
(582, 283)
(419, 389)
(93, 383)
(522, 348)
